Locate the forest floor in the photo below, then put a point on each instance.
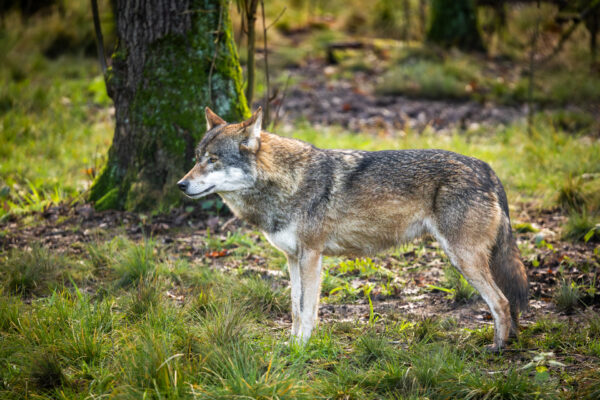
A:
(410, 280)
(399, 325)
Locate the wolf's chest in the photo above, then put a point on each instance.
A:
(285, 239)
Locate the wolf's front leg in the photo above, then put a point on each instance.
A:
(305, 277)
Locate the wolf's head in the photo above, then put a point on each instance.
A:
(225, 157)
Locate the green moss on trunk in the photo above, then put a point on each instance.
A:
(164, 116)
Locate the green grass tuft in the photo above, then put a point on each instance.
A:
(582, 227)
(258, 295)
(567, 296)
(225, 325)
(427, 79)
(570, 195)
(137, 264)
(427, 329)
(462, 291)
(242, 370)
(372, 347)
(145, 299)
(10, 310)
(46, 371)
(594, 326)
(154, 368)
(34, 272)
(202, 303)
(511, 385)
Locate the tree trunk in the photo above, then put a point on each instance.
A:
(422, 16)
(593, 34)
(251, 19)
(406, 28)
(173, 58)
(592, 23)
(454, 24)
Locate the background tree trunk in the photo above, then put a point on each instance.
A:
(454, 23)
(251, 8)
(592, 23)
(173, 58)
(422, 17)
(406, 26)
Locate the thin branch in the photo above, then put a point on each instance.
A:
(99, 38)
(268, 92)
(531, 72)
(276, 120)
(251, 8)
(276, 19)
(214, 59)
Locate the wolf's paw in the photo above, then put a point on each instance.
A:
(513, 334)
(493, 349)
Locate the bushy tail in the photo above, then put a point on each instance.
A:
(508, 269)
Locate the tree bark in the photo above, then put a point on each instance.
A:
(173, 58)
(422, 16)
(406, 27)
(454, 24)
(593, 34)
(592, 23)
(252, 6)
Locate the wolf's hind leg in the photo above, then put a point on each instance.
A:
(474, 266)
(305, 276)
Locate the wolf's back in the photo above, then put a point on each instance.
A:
(450, 184)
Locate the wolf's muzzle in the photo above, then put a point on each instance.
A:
(183, 185)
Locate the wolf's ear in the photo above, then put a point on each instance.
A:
(212, 119)
(252, 128)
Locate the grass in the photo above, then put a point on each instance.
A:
(372, 347)
(568, 297)
(582, 227)
(55, 116)
(420, 73)
(39, 169)
(222, 341)
(429, 79)
(460, 290)
(37, 271)
(262, 299)
(137, 265)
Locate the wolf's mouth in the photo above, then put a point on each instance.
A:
(201, 192)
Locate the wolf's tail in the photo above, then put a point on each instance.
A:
(508, 269)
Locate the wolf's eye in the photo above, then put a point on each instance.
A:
(213, 159)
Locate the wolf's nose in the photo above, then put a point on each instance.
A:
(183, 185)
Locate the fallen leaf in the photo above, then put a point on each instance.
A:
(216, 254)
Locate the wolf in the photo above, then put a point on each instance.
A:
(311, 202)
